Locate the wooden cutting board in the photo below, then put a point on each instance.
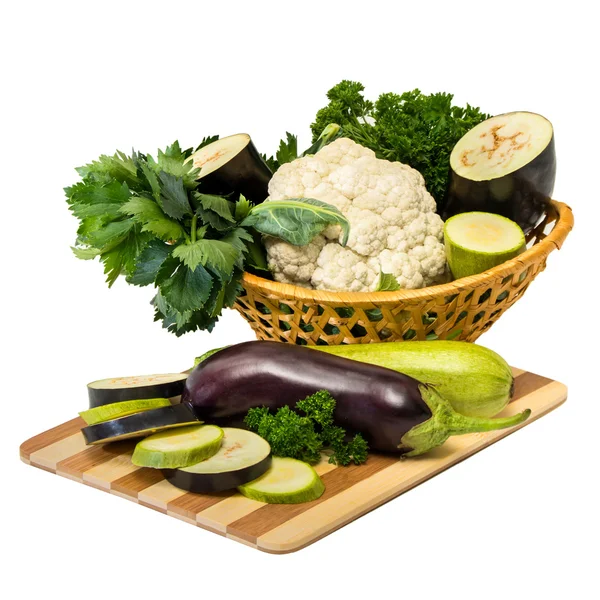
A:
(350, 491)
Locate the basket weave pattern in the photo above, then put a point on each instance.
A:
(460, 310)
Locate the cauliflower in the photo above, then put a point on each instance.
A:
(393, 225)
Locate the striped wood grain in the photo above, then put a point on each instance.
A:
(350, 491)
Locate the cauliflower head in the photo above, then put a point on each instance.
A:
(393, 225)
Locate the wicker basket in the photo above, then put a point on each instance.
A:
(460, 310)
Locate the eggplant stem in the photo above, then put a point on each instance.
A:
(461, 424)
(445, 422)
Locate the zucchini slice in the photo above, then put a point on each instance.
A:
(288, 481)
(243, 456)
(478, 241)
(140, 424)
(116, 410)
(180, 448)
(137, 387)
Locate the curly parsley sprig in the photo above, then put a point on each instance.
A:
(305, 436)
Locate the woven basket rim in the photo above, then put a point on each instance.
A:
(539, 251)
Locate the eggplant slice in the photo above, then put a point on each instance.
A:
(243, 457)
(140, 424)
(233, 164)
(505, 165)
(137, 387)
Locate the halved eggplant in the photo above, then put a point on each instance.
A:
(243, 457)
(137, 387)
(140, 424)
(233, 164)
(505, 165)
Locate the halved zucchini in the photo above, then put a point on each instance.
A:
(180, 448)
(505, 165)
(137, 387)
(477, 241)
(140, 424)
(288, 481)
(116, 410)
(242, 457)
(232, 164)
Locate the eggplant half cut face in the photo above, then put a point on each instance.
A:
(505, 165)
(233, 164)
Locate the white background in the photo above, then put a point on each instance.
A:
(518, 520)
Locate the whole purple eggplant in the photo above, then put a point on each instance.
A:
(394, 412)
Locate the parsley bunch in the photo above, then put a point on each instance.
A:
(147, 219)
(304, 434)
(412, 128)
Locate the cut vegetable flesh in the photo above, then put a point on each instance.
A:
(484, 232)
(138, 387)
(179, 448)
(242, 457)
(476, 242)
(213, 156)
(288, 481)
(140, 424)
(116, 410)
(501, 145)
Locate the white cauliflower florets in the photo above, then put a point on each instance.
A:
(393, 225)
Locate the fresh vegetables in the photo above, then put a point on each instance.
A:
(288, 481)
(505, 165)
(242, 457)
(140, 424)
(232, 165)
(475, 380)
(181, 448)
(394, 229)
(411, 128)
(394, 412)
(152, 221)
(117, 410)
(304, 436)
(478, 241)
(353, 213)
(138, 387)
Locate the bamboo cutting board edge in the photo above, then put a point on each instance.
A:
(315, 520)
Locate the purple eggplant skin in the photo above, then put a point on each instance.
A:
(216, 482)
(380, 403)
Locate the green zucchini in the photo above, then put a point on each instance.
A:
(475, 380)
(182, 447)
(116, 410)
(288, 481)
(478, 241)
